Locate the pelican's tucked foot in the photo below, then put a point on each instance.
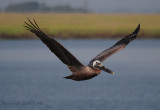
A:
(68, 77)
(80, 78)
(72, 77)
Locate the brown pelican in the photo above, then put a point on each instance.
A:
(80, 71)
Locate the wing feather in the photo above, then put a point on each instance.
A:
(117, 47)
(63, 54)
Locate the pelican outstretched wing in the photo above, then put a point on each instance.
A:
(117, 47)
(63, 54)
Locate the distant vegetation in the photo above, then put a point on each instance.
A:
(80, 25)
(37, 7)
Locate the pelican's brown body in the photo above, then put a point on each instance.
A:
(80, 71)
(83, 73)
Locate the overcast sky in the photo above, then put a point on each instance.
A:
(103, 6)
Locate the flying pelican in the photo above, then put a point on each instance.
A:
(79, 71)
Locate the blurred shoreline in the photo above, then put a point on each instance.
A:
(29, 37)
(80, 26)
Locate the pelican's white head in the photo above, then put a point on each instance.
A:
(99, 66)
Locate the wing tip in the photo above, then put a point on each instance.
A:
(137, 29)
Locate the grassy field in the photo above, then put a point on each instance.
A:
(80, 25)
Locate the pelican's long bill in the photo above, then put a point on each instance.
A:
(107, 70)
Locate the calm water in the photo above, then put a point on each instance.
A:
(31, 77)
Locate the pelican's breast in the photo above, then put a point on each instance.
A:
(89, 71)
(83, 73)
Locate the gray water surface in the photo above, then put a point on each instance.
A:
(31, 77)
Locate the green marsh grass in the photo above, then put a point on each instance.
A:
(80, 25)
